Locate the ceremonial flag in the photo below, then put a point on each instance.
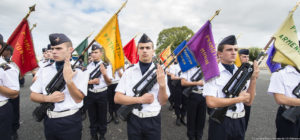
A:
(186, 59)
(203, 46)
(286, 43)
(21, 41)
(164, 55)
(109, 38)
(80, 48)
(238, 62)
(273, 66)
(130, 52)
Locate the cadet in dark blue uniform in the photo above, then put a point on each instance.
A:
(96, 101)
(9, 89)
(144, 124)
(64, 122)
(233, 126)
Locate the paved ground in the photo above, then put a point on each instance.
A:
(261, 123)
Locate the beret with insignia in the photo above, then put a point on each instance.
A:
(145, 39)
(95, 47)
(58, 38)
(244, 51)
(230, 40)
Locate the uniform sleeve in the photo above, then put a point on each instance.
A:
(37, 85)
(184, 75)
(276, 84)
(121, 85)
(11, 81)
(81, 81)
(210, 88)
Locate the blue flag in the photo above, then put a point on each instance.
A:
(273, 66)
(186, 60)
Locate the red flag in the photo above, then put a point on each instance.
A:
(23, 54)
(130, 52)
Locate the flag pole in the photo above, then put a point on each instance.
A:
(295, 7)
(123, 5)
(33, 26)
(216, 13)
(31, 9)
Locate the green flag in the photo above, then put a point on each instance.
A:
(80, 48)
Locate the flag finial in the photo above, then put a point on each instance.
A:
(216, 13)
(31, 9)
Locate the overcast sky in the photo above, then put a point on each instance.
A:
(254, 20)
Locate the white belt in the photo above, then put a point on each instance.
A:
(115, 82)
(2, 103)
(98, 90)
(235, 115)
(145, 114)
(53, 114)
(199, 91)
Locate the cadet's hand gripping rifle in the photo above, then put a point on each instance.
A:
(196, 77)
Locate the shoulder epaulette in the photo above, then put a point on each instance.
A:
(48, 65)
(80, 67)
(5, 66)
(130, 66)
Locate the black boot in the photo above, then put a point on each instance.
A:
(102, 137)
(183, 121)
(15, 136)
(116, 119)
(94, 137)
(178, 122)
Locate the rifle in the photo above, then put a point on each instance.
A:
(292, 114)
(240, 77)
(196, 77)
(96, 75)
(57, 83)
(140, 88)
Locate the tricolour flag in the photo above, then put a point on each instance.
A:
(286, 43)
(165, 55)
(21, 41)
(185, 59)
(203, 46)
(109, 38)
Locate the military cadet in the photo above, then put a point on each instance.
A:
(15, 101)
(233, 126)
(9, 89)
(171, 98)
(113, 107)
(244, 57)
(179, 98)
(196, 105)
(96, 100)
(64, 121)
(146, 123)
(282, 84)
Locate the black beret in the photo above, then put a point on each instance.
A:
(58, 38)
(44, 49)
(230, 40)
(48, 47)
(145, 39)
(95, 47)
(244, 51)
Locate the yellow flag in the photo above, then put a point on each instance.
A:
(238, 62)
(164, 55)
(109, 38)
(286, 43)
